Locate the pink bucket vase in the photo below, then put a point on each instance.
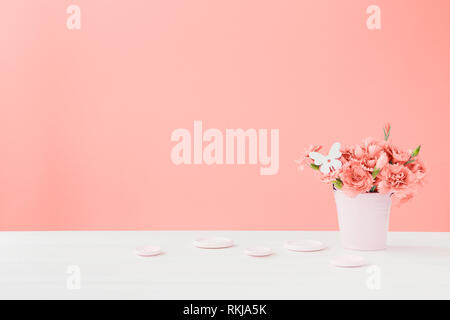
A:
(363, 220)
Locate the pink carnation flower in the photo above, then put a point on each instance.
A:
(348, 154)
(405, 196)
(418, 169)
(331, 176)
(305, 159)
(372, 146)
(371, 153)
(382, 160)
(395, 154)
(395, 178)
(355, 179)
(368, 162)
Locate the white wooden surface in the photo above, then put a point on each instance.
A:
(34, 265)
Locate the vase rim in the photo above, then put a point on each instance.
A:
(366, 194)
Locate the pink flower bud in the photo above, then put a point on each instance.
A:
(387, 131)
(382, 161)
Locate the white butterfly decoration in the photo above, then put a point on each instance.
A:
(330, 161)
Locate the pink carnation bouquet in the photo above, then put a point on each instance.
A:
(372, 166)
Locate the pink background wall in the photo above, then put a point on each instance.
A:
(86, 115)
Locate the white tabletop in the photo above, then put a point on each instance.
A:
(41, 264)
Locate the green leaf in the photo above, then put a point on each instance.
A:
(338, 183)
(375, 172)
(415, 152)
(373, 189)
(315, 167)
